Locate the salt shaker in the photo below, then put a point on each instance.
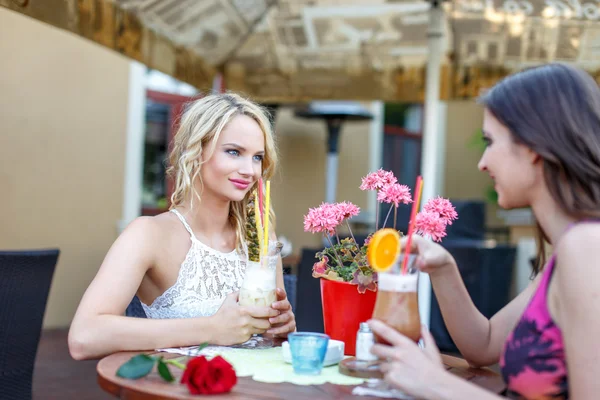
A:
(364, 341)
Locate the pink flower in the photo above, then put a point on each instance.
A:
(321, 219)
(443, 208)
(346, 210)
(312, 221)
(377, 180)
(320, 268)
(394, 193)
(431, 224)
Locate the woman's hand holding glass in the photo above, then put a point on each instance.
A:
(285, 322)
(431, 257)
(405, 365)
(235, 324)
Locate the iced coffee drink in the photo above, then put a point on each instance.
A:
(258, 288)
(260, 283)
(397, 304)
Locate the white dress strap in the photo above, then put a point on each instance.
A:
(184, 222)
(205, 278)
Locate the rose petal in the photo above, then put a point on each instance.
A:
(195, 374)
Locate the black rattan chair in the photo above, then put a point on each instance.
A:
(487, 273)
(289, 283)
(25, 278)
(309, 310)
(135, 309)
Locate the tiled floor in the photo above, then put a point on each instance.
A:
(58, 376)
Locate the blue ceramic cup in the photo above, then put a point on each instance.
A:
(308, 352)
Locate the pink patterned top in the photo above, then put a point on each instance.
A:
(533, 362)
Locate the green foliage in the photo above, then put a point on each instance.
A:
(346, 261)
(476, 142)
(137, 367)
(142, 364)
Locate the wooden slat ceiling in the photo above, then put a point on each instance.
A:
(297, 50)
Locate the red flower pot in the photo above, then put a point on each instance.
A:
(344, 308)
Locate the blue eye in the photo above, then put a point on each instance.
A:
(233, 152)
(258, 158)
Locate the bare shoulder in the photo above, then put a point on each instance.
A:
(151, 231)
(579, 245)
(142, 228)
(584, 230)
(578, 258)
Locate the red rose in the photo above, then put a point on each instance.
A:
(209, 377)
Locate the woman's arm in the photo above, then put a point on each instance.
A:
(420, 372)
(577, 297)
(99, 327)
(479, 340)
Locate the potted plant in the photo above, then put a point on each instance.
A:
(348, 283)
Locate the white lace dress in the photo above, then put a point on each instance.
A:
(205, 278)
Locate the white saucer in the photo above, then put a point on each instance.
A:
(335, 352)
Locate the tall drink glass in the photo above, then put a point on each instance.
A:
(396, 303)
(260, 282)
(259, 288)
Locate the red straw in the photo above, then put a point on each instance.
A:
(260, 200)
(413, 215)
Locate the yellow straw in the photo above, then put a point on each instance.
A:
(266, 214)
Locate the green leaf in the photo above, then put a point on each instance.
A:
(137, 367)
(164, 372)
(200, 348)
(476, 141)
(491, 195)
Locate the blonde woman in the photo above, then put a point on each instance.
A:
(187, 265)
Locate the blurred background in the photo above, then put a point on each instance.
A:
(91, 92)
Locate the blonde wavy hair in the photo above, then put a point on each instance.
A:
(199, 130)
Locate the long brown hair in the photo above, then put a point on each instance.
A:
(555, 111)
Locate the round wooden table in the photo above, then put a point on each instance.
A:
(152, 387)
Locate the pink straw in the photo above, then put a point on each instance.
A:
(261, 201)
(413, 215)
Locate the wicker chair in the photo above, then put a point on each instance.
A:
(135, 309)
(309, 310)
(25, 278)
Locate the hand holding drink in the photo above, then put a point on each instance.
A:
(397, 300)
(259, 288)
(260, 283)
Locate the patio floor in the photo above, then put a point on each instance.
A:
(58, 376)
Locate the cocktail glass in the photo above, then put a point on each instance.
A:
(259, 287)
(397, 301)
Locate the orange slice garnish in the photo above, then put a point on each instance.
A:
(384, 249)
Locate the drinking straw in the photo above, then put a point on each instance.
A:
(266, 223)
(413, 215)
(260, 199)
